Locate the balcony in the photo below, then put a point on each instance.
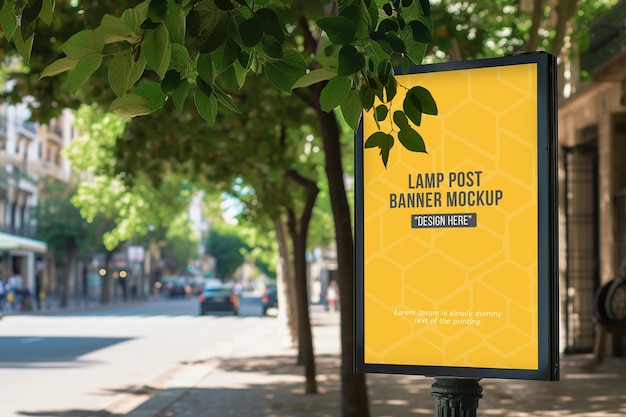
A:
(606, 59)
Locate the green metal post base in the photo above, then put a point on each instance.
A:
(456, 397)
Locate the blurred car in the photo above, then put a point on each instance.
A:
(269, 299)
(175, 290)
(220, 298)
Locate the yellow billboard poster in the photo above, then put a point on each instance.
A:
(456, 242)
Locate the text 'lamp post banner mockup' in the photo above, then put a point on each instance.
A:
(456, 247)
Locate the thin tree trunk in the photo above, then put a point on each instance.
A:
(66, 273)
(565, 10)
(287, 291)
(299, 231)
(537, 18)
(355, 401)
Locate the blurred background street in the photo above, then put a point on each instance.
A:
(162, 359)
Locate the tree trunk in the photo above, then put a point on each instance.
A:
(565, 10)
(354, 397)
(299, 231)
(537, 18)
(63, 281)
(286, 283)
(67, 272)
(355, 401)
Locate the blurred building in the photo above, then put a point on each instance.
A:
(29, 153)
(592, 171)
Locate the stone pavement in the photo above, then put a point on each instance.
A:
(262, 380)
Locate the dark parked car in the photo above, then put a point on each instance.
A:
(219, 299)
(269, 298)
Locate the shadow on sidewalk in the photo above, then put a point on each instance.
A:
(274, 387)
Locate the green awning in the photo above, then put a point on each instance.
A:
(14, 242)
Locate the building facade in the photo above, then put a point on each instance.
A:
(29, 153)
(592, 183)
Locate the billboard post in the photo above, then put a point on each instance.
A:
(456, 242)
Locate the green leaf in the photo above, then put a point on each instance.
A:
(245, 59)
(240, 73)
(397, 44)
(335, 92)
(225, 55)
(152, 93)
(226, 100)
(367, 96)
(130, 106)
(405, 63)
(360, 17)
(120, 69)
(179, 56)
(85, 67)
(400, 119)
(113, 29)
(207, 106)
(376, 87)
(157, 10)
(251, 31)
(8, 20)
(27, 30)
(175, 22)
(313, 77)
(132, 19)
(31, 11)
(83, 43)
(24, 46)
(385, 71)
(421, 32)
(272, 24)
(390, 88)
(209, 25)
(381, 112)
(387, 25)
(352, 110)
(412, 108)
(285, 72)
(383, 141)
(340, 29)
(179, 95)
(350, 60)
(46, 11)
(157, 49)
(425, 4)
(224, 5)
(204, 67)
(411, 140)
(204, 86)
(58, 66)
(427, 102)
(272, 47)
(171, 81)
(139, 67)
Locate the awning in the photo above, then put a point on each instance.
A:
(14, 242)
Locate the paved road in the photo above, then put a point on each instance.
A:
(80, 363)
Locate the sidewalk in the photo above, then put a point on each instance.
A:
(261, 380)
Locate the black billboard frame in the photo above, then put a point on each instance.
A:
(547, 257)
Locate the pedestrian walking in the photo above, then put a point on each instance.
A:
(332, 296)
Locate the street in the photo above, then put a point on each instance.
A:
(109, 360)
